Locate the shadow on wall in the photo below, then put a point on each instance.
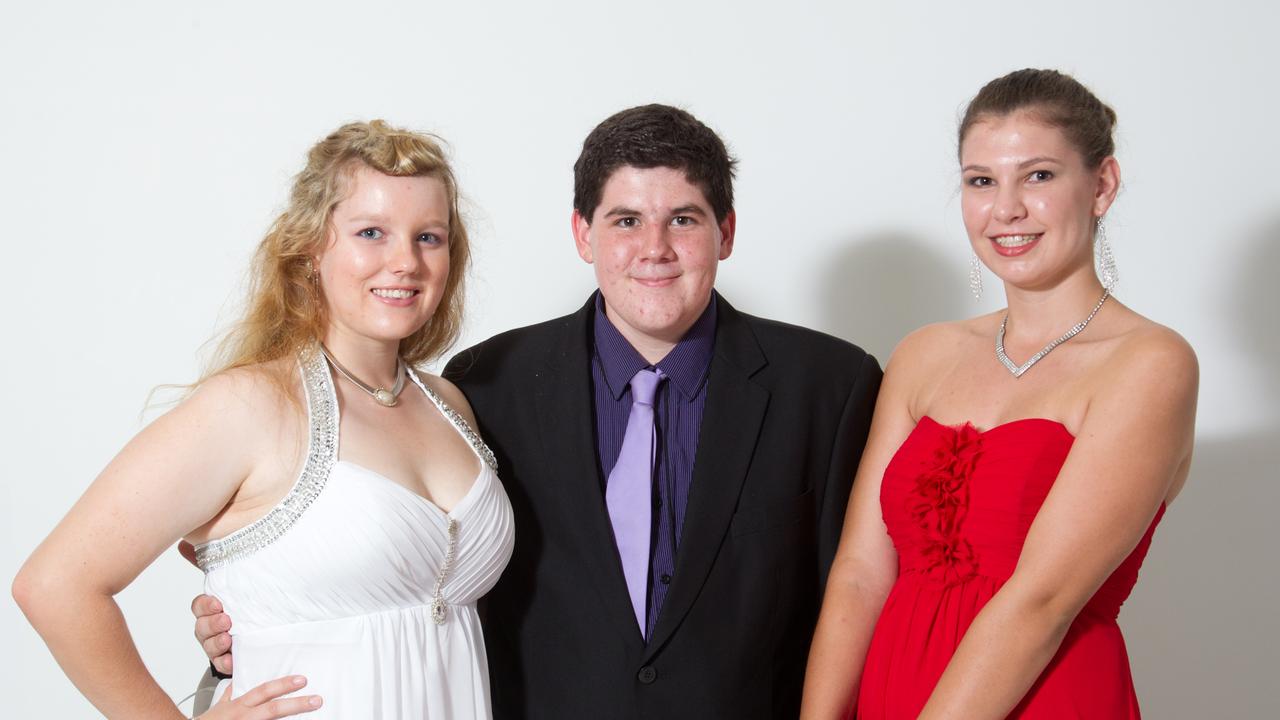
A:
(1201, 626)
(880, 287)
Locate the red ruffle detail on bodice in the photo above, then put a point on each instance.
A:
(939, 503)
(958, 503)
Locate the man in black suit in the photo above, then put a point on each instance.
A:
(754, 432)
(748, 503)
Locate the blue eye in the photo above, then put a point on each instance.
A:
(370, 233)
(430, 239)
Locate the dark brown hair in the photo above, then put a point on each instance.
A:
(1055, 99)
(653, 136)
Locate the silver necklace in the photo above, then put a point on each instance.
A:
(385, 397)
(1018, 370)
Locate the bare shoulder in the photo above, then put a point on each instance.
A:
(922, 348)
(249, 412)
(1149, 370)
(254, 391)
(450, 393)
(1147, 348)
(919, 363)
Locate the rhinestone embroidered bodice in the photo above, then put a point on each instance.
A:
(362, 585)
(322, 453)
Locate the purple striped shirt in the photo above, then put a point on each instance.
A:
(678, 414)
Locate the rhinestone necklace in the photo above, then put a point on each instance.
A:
(385, 397)
(1018, 370)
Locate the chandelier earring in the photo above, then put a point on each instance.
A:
(1104, 259)
(975, 276)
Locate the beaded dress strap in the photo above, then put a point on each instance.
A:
(459, 423)
(322, 453)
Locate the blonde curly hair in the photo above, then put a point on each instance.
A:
(285, 311)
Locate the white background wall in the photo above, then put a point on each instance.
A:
(145, 147)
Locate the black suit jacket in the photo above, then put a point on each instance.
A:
(787, 414)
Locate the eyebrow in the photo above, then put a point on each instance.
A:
(1040, 159)
(375, 219)
(682, 210)
(381, 220)
(1023, 164)
(621, 211)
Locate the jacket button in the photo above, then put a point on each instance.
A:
(647, 675)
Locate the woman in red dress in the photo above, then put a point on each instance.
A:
(1018, 462)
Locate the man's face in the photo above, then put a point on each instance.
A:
(655, 243)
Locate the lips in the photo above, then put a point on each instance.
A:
(394, 293)
(396, 297)
(655, 281)
(1014, 245)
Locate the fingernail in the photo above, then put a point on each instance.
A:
(315, 701)
(299, 680)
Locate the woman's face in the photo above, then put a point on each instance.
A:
(386, 260)
(1029, 202)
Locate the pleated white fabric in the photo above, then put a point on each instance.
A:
(335, 582)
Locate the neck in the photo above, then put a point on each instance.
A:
(1039, 315)
(653, 347)
(373, 361)
(650, 348)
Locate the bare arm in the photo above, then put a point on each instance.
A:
(1134, 445)
(172, 478)
(865, 564)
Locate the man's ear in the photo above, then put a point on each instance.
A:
(582, 236)
(727, 227)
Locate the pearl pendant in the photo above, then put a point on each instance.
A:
(385, 397)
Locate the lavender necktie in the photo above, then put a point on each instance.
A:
(629, 494)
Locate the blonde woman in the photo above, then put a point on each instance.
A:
(343, 510)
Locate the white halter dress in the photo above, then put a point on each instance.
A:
(363, 586)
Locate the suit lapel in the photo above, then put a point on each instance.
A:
(726, 442)
(564, 396)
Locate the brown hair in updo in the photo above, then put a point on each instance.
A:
(1054, 98)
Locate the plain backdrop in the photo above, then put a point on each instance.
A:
(146, 146)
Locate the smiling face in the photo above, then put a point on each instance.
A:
(386, 260)
(655, 244)
(1029, 201)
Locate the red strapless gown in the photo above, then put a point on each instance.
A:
(958, 504)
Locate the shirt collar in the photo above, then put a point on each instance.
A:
(687, 364)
